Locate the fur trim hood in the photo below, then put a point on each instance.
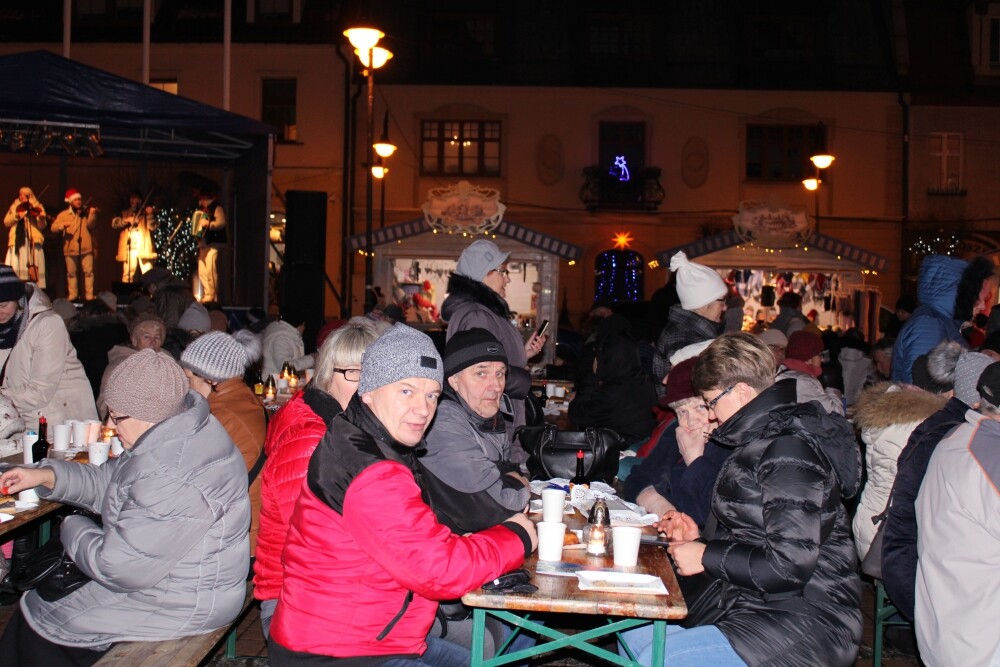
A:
(887, 404)
(461, 288)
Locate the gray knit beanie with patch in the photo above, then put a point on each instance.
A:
(967, 371)
(148, 386)
(217, 356)
(401, 352)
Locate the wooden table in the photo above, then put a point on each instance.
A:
(45, 507)
(562, 595)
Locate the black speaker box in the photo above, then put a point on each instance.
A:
(305, 227)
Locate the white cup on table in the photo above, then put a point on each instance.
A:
(550, 390)
(93, 430)
(98, 452)
(28, 496)
(553, 504)
(560, 391)
(60, 437)
(550, 539)
(81, 430)
(27, 440)
(625, 542)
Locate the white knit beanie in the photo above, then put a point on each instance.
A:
(697, 285)
(217, 356)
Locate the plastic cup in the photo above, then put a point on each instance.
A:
(550, 390)
(116, 446)
(93, 430)
(27, 440)
(98, 452)
(282, 386)
(60, 437)
(28, 496)
(80, 432)
(625, 544)
(560, 391)
(553, 504)
(550, 539)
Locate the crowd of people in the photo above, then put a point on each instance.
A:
(394, 483)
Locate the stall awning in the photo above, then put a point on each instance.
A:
(818, 253)
(506, 228)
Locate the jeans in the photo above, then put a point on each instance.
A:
(440, 653)
(695, 647)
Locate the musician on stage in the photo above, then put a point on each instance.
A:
(77, 224)
(135, 244)
(209, 225)
(26, 219)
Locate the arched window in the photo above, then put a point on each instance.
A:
(619, 276)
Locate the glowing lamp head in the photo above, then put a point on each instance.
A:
(822, 161)
(384, 148)
(379, 56)
(811, 183)
(379, 170)
(363, 38)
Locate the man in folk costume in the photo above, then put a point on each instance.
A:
(135, 243)
(210, 228)
(26, 219)
(77, 224)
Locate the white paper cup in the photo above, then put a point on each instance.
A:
(27, 440)
(553, 504)
(98, 452)
(80, 432)
(625, 544)
(93, 430)
(550, 390)
(282, 386)
(560, 391)
(28, 496)
(60, 437)
(550, 539)
(116, 446)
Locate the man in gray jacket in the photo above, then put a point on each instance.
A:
(468, 449)
(171, 554)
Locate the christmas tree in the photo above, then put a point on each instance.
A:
(179, 254)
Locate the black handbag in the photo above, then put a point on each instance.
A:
(552, 453)
(48, 571)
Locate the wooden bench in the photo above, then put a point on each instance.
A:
(180, 652)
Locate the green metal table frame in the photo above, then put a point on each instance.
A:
(558, 640)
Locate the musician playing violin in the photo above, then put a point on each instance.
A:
(135, 244)
(77, 223)
(26, 219)
(210, 227)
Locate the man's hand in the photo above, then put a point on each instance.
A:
(677, 526)
(687, 557)
(19, 479)
(528, 525)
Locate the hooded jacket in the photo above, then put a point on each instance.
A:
(171, 557)
(44, 376)
(782, 546)
(292, 436)
(366, 560)
(471, 304)
(886, 416)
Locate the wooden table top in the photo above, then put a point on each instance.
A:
(26, 516)
(563, 595)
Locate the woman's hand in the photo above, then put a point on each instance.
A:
(19, 479)
(535, 345)
(677, 526)
(687, 557)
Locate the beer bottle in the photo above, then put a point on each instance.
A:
(40, 449)
(579, 477)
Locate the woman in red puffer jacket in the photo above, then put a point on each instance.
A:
(292, 436)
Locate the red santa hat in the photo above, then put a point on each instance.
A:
(72, 194)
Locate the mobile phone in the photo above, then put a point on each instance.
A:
(542, 328)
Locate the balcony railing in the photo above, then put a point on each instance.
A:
(603, 191)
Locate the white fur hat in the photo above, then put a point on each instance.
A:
(697, 285)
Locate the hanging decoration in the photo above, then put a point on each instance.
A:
(177, 255)
(619, 276)
(463, 208)
(623, 240)
(939, 244)
(773, 224)
(620, 169)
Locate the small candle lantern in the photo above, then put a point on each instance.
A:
(270, 389)
(285, 371)
(597, 533)
(293, 383)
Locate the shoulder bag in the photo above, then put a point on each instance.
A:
(48, 571)
(552, 452)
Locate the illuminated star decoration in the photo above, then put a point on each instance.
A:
(622, 240)
(620, 169)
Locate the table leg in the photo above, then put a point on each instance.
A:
(659, 642)
(44, 532)
(478, 636)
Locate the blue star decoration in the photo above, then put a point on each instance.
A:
(620, 169)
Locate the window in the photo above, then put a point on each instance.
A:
(946, 161)
(166, 85)
(619, 276)
(274, 8)
(278, 98)
(622, 140)
(620, 37)
(782, 152)
(460, 148)
(91, 7)
(468, 37)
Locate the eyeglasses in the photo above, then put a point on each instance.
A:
(116, 419)
(503, 272)
(350, 374)
(711, 404)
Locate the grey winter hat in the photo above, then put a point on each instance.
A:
(148, 386)
(479, 259)
(967, 371)
(217, 356)
(195, 318)
(401, 352)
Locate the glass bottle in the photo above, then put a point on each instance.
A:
(40, 449)
(579, 477)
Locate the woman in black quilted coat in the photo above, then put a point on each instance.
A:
(780, 564)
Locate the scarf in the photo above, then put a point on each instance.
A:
(803, 367)
(20, 232)
(11, 332)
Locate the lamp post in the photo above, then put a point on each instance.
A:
(364, 40)
(821, 163)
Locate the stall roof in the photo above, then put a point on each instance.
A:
(506, 228)
(817, 253)
(135, 120)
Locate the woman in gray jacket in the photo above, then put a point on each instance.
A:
(171, 557)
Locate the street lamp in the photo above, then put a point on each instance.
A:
(821, 162)
(364, 40)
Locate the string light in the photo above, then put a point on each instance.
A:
(619, 276)
(177, 256)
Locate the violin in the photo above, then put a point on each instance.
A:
(29, 210)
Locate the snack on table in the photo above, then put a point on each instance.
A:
(82, 457)
(570, 538)
(7, 505)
